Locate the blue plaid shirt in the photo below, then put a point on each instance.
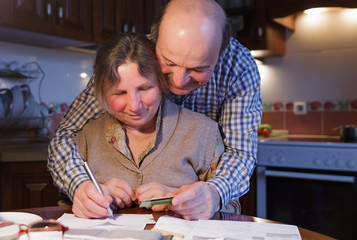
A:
(232, 98)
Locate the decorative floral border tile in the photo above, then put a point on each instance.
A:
(328, 105)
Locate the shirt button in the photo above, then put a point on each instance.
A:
(138, 176)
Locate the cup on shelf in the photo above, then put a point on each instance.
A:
(2, 110)
(25, 117)
(6, 98)
(17, 105)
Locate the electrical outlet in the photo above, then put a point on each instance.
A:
(300, 108)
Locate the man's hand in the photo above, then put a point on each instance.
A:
(89, 203)
(154, 190)
(196, 201)
(122, 193)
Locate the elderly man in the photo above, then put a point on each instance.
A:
(207, 72)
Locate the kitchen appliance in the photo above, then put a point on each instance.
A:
(309, 181)
(348, 132)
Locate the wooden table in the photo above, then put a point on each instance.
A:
(57, 211)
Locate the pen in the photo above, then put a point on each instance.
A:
(91, 176)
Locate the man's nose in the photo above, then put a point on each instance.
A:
(180, 77)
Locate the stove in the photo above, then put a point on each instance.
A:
(308, 152)
(308, 181)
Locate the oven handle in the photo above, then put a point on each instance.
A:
(310, 176)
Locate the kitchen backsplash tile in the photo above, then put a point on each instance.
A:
(333, 119)
(275, 119)
(316, 105)
(304, 124)
(322, 117)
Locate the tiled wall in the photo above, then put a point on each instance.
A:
(62, 81)
(319, 69)
(313, 122)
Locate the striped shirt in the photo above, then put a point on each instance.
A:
(232, 98)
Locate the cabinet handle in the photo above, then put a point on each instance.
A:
(49, 10)
(125, 27)
(260, 33)
(60, 12)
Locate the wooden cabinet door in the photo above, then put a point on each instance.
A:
(152, 9)
(73, 19)
(108, 18)
(64, 18)
(253, 29)
(111, 17)
(136, 15)
(31, 15)
(26, 185)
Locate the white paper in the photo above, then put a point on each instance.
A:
(125, 221)
(46, 236)
(235, 230)
(245, 230)
(175, 225)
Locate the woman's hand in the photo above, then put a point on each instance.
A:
(154, 190)
(122, 193)
(89, 203)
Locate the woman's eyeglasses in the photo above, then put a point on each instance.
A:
(47, 229)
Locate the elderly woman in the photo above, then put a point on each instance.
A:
(143, 146)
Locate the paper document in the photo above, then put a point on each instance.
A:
(219, 229)
(98, 234)
(124, 221)
(175, 226)
(245, 230)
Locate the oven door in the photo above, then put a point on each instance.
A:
(321, 201)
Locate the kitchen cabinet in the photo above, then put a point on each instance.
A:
(248, 200)
(253, 29)
(284, 11)
(26, 185)
(116, 16)
(81, 23)
(283, 8)
(24, 179)
(113, 17)
(68, 19)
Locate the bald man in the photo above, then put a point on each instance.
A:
(208, 72)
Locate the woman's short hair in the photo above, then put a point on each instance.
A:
(119, 50)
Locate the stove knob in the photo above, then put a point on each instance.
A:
(281, 160)
(328, 162)
(272, 159)
(317, 162)
(339, 163)
(351, 164)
